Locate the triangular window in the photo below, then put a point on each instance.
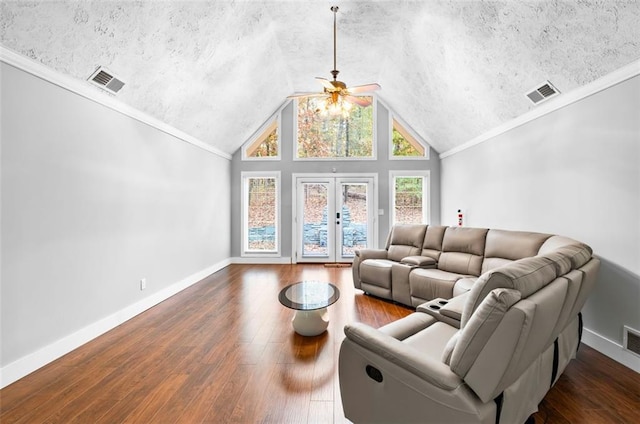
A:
(404, 144)
(266, 145)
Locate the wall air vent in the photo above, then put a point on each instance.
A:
(542, 92)
(106, 80)
(631, 340)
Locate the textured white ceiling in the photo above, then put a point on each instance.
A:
(217, 70)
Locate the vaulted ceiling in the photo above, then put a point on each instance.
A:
(452, 69)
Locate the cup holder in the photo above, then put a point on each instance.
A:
(443, 302)
(436, 307)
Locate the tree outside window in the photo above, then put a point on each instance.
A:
(325, 136)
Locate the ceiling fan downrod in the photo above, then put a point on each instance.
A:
(335, 71)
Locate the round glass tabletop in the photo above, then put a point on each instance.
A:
(309, 295)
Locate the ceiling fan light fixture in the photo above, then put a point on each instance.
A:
(337, 97)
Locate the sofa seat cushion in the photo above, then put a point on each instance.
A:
(427, 284)
(432, 340)
(463, 285)
(376, 272)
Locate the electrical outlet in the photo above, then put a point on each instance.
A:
(143, 284)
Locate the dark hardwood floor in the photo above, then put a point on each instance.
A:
(224, 351)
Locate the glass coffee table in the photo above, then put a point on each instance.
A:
(310, 299)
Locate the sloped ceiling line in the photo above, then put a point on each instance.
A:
(452, 69)
(82, 88)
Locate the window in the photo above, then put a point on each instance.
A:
(325, 136)
(266, 145)
(261, 214)
(409, 197)
(404, 145)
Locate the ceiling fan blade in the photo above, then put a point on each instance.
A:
(326, 84)
(298, 95)
(360, 101)
(364, 88)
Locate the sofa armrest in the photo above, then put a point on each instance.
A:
(419, 261)
(403, 355)
(453, 308)
(365, 254)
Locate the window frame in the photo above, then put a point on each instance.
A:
(409, 132)
(426, 192)
(261, 134)
(245, 176)
(374, 137)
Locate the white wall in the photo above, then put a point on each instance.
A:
(93, 201)
(574, 172)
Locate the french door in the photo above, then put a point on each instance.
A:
(334, 216)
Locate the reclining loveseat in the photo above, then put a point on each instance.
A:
(487, 349)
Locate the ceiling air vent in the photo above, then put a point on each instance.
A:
(542, 92)
(105, 80)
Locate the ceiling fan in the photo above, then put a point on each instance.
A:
(339, 97)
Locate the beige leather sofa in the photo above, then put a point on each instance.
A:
(487, 355)
(420, 263)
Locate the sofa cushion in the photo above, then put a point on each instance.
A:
(504, 246)
(376, 272)
(406, 240)
(513, 245)
(429, 284)
(462, 250)
(561, 261)
(578, 254)
(526, 275)
(432, 246)
(463, 285)
(432, 340)
(477, 331)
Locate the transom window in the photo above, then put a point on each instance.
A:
(325, 136)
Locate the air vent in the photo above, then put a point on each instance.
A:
(106, 80)
(542, 92)
(631, 340)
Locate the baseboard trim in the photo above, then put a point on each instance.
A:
(30, 363)
(282, 260)
(611, 349)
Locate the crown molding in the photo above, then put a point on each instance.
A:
(616, 77)
(84, 89)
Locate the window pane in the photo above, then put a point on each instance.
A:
(408, 200)
(315, 222)
(266, 145)
(354, 218)
(404, 144)
(326, 136)
(262, 214)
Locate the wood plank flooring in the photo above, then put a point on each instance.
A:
(223, 351)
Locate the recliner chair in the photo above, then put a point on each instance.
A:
(519, 328)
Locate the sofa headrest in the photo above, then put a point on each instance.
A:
(556, 242)
(513, 245)
(406, 240)
(462, 350)
(579, 254)
(464, 240)
(526, 275)
(408, 235)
